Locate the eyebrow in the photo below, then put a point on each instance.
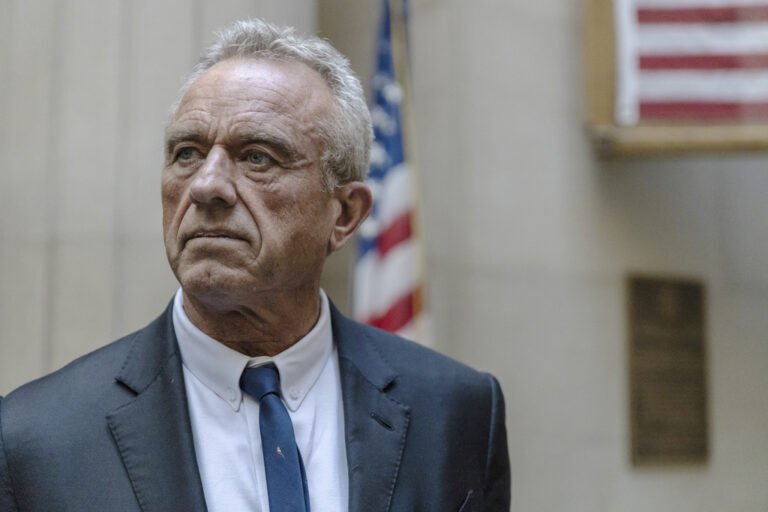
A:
(175, 136)
(280, 145)
(246, 135)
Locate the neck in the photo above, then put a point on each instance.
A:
(264, 327)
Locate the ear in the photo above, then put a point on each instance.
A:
(355, 201)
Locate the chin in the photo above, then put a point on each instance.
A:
(212, 284)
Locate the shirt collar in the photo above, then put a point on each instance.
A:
(219, 367)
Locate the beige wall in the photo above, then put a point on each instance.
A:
(529, 238)
(84, 90)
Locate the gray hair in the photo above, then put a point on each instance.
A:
(348, 134)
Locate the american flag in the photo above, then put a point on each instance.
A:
(389, 275)
(700, 61)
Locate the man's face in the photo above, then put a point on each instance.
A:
(245, 210)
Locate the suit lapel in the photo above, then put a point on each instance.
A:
(375, 424)
(153, 432)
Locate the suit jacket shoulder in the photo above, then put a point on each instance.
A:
(450, 418)
(51, 425)
(421, 373)
(86, 387)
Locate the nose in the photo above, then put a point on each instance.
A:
(213, 182)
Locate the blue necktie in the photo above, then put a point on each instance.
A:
(286, 480)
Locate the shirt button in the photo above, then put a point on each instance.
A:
(231, 395)
(293, 393)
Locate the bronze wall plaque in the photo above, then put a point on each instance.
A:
(667, 367)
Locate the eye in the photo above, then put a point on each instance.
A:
(186, 154)
(258, 158)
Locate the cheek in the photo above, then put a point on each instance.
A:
(308, 209)
(293, 210)
(171, 192)
(297, 219)
(312, 219)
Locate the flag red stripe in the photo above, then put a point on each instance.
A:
(703, 110)
(398, 315)
(704, 14)
(703, 62)
(398, 231)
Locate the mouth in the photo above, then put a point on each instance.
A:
(214, 234)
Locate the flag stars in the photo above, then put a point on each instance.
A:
(380, 80)
(383, 122)
(379, 156)
(388, 87)
(392, 93)
(369, 228)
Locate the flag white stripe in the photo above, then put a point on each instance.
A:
(684, 4)
(701, 38)
(393, 277)
(394, 199)
(729, 86)
(627, 109)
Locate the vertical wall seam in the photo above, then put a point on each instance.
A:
(51, 244)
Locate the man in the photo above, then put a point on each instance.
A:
(251, 391)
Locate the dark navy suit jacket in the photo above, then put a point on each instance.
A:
(111, 432)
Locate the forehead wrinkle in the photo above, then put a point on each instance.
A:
(297, 97)
(260, 94)
(197, 119)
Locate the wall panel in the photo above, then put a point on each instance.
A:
(87, 122)
(27, 142)
(84, 172)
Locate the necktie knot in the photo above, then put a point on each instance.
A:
(260, 381)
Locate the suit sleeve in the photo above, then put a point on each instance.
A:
(497, 492)
(7, 500)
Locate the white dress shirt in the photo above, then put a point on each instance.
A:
(225, 421)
